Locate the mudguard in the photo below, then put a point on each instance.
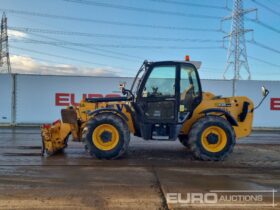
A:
(224, 112)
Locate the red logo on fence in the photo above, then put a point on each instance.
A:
(69, 99)
(275, 103)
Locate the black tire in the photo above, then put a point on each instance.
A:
(184, 139)
(122, 129)
(195, 138)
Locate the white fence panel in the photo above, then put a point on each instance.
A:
(40, 98)
(217, 87)
(268, 114)
(6, 84)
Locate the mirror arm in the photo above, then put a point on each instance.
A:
(125, 91)
(256, 107)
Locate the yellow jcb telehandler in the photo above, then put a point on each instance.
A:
(165, 102)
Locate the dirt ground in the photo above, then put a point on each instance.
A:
(141, 180)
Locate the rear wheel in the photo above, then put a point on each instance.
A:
(108, 136)
(211, 138)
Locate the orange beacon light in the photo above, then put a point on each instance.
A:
(187, 58)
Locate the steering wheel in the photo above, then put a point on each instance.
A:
(155, 91)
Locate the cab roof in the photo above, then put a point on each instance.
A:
(197, 64)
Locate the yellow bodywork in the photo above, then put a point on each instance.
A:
(55, 136)
(233, 105)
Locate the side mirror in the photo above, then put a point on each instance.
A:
(265, 91)
(122, 88)
(122, 85)
(126, 92)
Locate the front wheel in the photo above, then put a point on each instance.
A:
(211, 138)
(184, 140)
(108, 136)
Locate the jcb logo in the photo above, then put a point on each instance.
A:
(69, 99)
(275, 104)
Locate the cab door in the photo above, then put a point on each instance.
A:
(158, 101)
(190, 90)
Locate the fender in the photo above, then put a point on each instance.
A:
(228, 116)
(109, 110)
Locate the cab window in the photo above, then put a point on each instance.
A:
(189, 88)
(161, 82)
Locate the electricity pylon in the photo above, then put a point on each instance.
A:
(5, 65)
(237, 53)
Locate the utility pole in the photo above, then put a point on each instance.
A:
(5, 65)
(237, 54)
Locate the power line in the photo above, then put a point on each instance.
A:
(57, 56)
(264, 61)
(264, 46)
(64, 57)
(265, 25)
(266, 7)
(204, 68)
(117, 45)
(208, 6)
(61, 44)
(151, 26)
(57, 65)
(50, 61)
(89, 47)
(275, 3)
(57, 40)
(73, 33)
(138, 9)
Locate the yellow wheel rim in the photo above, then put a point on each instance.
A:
(105, 137)
(214, 139)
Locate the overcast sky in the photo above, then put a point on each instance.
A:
(113, 37)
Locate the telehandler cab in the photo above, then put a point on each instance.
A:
(165, 102)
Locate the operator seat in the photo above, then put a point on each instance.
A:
(187, 98)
